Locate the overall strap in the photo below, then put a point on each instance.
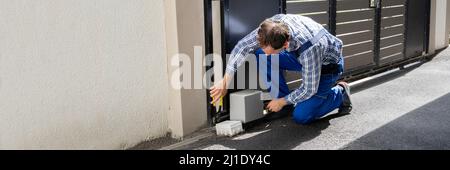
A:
(313, 41)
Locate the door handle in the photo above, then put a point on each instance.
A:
(374, 3)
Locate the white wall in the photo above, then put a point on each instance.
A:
(439, 25)
(82, 74)
(448, 22)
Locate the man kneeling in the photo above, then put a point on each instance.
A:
(302, 45)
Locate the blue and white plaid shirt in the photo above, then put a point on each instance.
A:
(302, 29)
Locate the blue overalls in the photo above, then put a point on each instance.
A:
(329, 95)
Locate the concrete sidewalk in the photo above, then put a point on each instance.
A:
(400, 109)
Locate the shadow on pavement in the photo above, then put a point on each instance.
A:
(427, 127)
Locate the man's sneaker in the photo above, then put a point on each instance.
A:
(346, 106)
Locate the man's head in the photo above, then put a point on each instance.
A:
(273, 36)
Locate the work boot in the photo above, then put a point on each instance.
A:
(284, 112)
(346, 106)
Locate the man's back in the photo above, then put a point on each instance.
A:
(302, 29)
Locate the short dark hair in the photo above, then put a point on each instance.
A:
(273, 33)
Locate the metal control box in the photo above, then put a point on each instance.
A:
(246, 106)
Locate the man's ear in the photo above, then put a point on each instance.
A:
(267, 49)
(286, 45)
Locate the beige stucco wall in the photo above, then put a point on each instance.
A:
(185, 30)
(174, 114)
(82, 74)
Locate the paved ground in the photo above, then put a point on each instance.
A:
(402, 109)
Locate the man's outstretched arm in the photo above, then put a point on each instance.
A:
(244, 47)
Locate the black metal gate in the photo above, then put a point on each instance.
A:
(417, 28)
(377, 34)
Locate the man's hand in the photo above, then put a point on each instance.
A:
(276, 104)
(220, 89)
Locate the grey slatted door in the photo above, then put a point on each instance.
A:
(355, 27)
(315, 9)
(392, 31)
